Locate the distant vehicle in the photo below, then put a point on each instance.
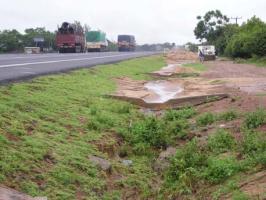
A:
(208, 52)
(126, 43)
(96, 41)
(70, 38)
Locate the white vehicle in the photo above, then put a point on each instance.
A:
(208, 52)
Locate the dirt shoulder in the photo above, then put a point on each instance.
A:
(229, 69)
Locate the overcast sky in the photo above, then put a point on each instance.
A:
(151, 21)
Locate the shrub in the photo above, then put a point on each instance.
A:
(255, 119)
(228, 116)
(221, 141)
(151, 131)
(249, 40)
(220, 169)
(185, 167)
(185, 113)
(206, 119)
(178, 128)
(254, 146)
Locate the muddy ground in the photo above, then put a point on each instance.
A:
(176, 84)
(244, 85)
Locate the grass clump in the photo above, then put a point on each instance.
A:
(221, 141)
(184, 113)
(255, 119)
(219, 169)
(150, 131)
(185, 168)
(206, 119)
(228, 116)
(254, 147)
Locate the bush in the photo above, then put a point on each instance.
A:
(249, 40)
(185, 113)
(206, 119)
(150, 131)
(221, 141)
(219, 169)
(185, 167)
(254, 146)
(178, 128)
(228, 116)
(255, 119)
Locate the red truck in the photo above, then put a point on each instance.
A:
(70, 38)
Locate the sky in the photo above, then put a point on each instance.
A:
(151, 21)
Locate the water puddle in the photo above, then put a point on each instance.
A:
(163, 91)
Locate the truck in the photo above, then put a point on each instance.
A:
(209, 52)
(96, 41)
(126, 43)
(70, 38)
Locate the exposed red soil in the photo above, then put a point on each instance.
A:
(229, 69)
(180, 56)
(254, 186)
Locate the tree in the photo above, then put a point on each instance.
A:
(249, 40)
(31, 33)
(210, 25)
(10, 40)
(214, 29)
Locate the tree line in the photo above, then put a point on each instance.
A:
(14, 41)
(233, 40)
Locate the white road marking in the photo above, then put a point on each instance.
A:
(28, 72)
(65, 60)
(44, 56)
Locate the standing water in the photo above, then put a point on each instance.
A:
(164, 91)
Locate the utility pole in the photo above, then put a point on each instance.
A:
(236, 18)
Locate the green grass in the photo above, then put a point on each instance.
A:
(197, 66)
(48, 126)
(260, 62)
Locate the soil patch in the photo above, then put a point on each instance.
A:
(254, 186)
(11, 194)
(181, 56)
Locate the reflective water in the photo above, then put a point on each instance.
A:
(164, 91)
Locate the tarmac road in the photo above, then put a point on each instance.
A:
(16, 67)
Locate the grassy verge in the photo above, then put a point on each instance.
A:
(260, 62)
(197, 66)
(50, 126)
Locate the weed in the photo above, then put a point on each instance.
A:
(228, 116)
(178, 128)
(255, 119)
(240, 196)
(218, 169)
(254, 146)
(221, 141)
(206, 119)
(185, 167)
(184, 113)
(150, 131)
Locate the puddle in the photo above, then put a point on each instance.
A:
(163, 91)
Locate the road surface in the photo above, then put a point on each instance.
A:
(15, 67)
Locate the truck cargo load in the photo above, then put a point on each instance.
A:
(70, 38)
(96, 41)
(126, 43)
